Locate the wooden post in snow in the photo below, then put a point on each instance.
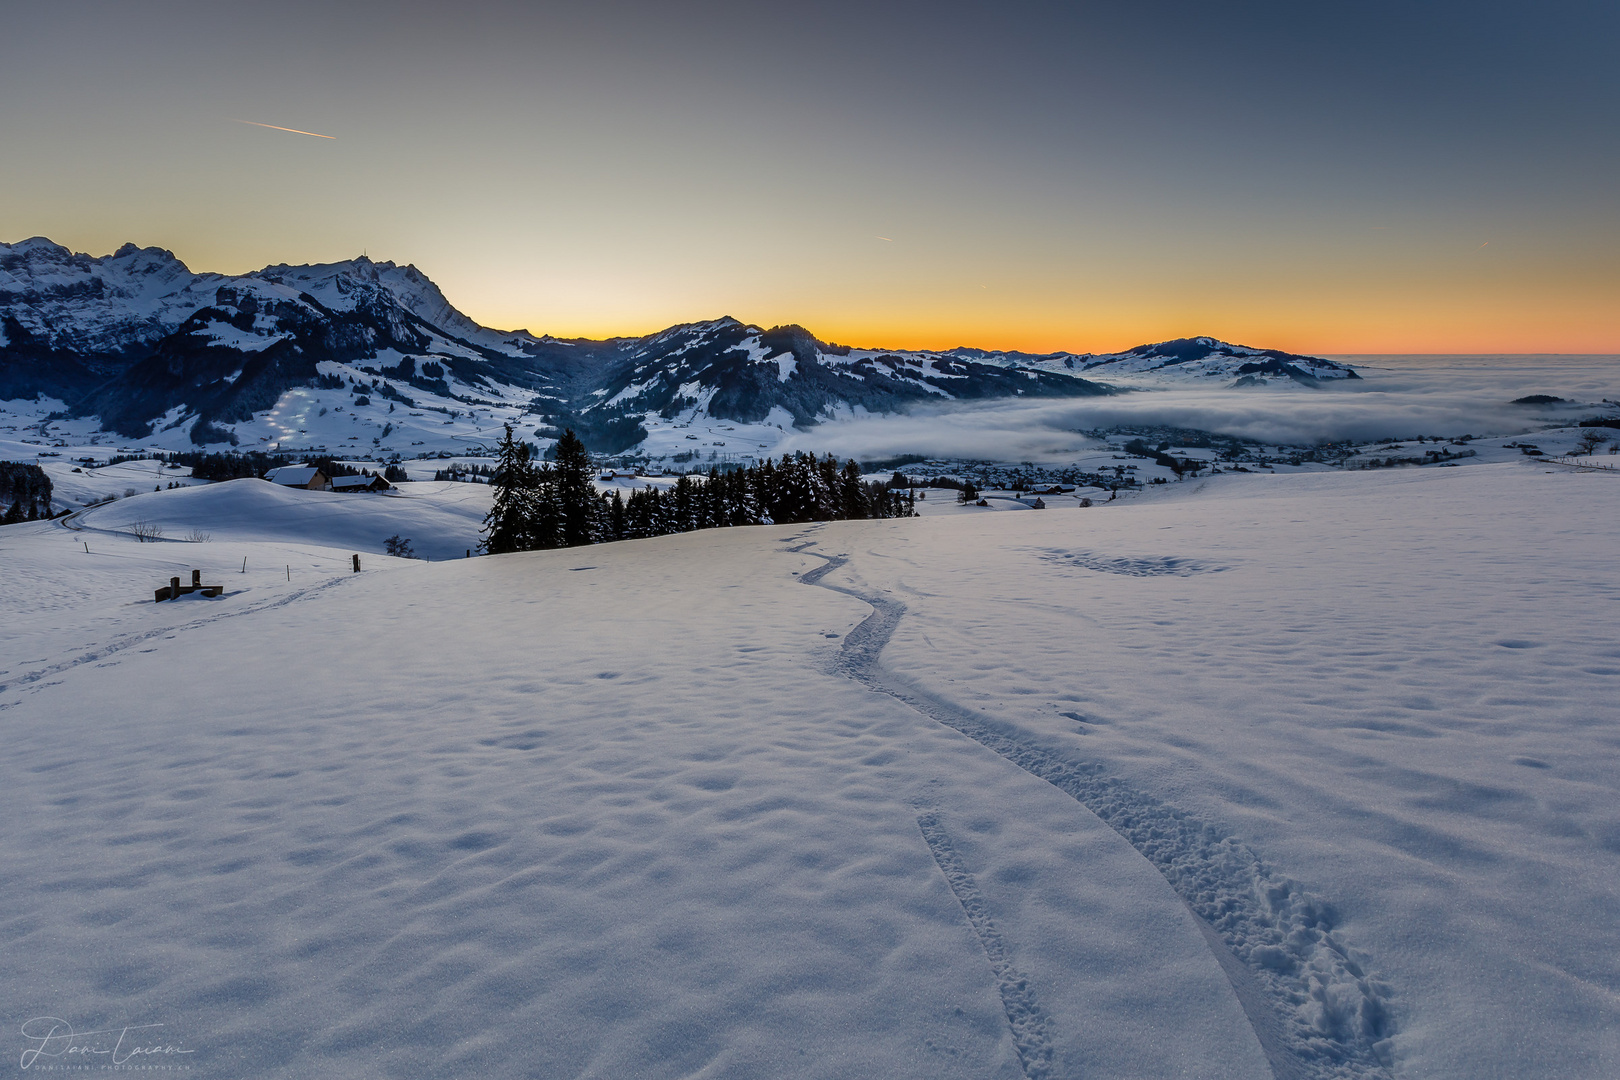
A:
(174, 588)
(196, 578)
(357, 564)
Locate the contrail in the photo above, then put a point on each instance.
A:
(885, 238)
(278, 127)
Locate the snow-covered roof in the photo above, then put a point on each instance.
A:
(294, 475)
(341, 482)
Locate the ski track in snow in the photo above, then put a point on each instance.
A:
(117, 645)
(1024, 1014)
(1317, 1014)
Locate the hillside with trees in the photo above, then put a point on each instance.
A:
(555, 504)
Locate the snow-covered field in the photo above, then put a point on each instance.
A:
(1293, 776)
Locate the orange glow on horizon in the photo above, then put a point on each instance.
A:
(1324, 338)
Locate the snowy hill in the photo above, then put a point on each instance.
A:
(441, 520)
(1095, 793)
(138, 345)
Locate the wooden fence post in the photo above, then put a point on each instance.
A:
(357, 564)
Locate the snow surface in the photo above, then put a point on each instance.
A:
(442, 519)
(693, 806)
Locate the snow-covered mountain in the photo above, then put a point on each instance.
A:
(1195, 360)
(136, 336)
(729, 370)
(143, 345)
(1206, 359)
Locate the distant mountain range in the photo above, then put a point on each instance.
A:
(142, 344)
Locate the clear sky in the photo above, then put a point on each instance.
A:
(1370, 177)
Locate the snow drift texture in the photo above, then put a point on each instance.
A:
(1273, 776)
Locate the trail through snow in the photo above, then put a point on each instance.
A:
(1287, 777)
(1315, 1012)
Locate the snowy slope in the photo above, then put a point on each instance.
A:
(390, 876)
(1397, 691)
(442, 520)
(1269, 776)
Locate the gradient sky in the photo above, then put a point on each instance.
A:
(1376, 177)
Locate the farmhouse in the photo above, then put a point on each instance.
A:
(360, 483)
(299, 476)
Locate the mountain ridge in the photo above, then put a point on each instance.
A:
(142, 343)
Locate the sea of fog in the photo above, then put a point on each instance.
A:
(1396, 397)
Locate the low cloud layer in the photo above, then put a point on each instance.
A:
(1394, 399)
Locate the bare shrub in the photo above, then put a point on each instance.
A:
(197, 536)
(145, 531)
(1590, 441)
(129, 493)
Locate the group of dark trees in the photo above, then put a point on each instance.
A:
(1179, 466)
(220, 467)
(465, 474)
(556, 504)
(334, 468)
(25, 491)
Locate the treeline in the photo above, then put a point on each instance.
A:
(221, 467)
(25, 491)
(1138, 448)
(465, 474)
(551, 505)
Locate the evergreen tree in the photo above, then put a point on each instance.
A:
(545, 515)
(507, 525)
(826, 506)
(683, 518)
(762, 482)
(856, 503)
(580, 504)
